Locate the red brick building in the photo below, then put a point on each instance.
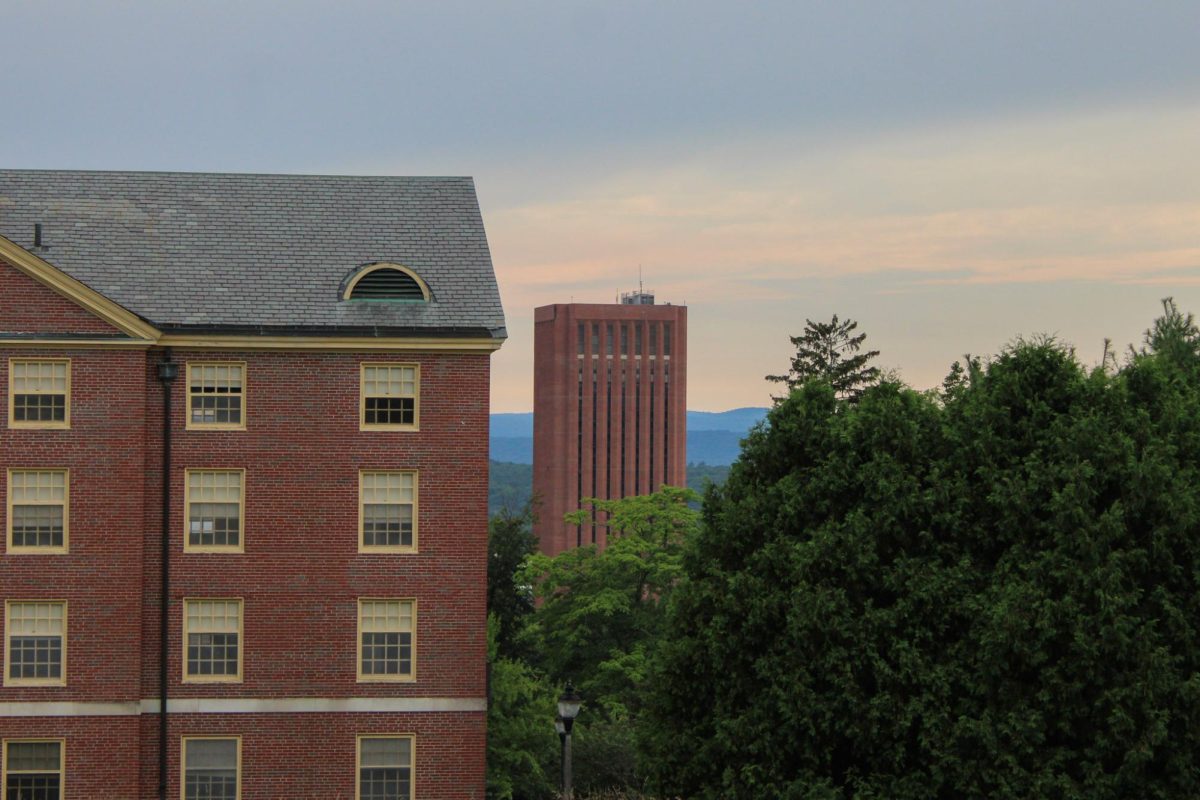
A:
(306, 360)
(609, 408)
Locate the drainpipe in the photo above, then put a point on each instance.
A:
(168, 370)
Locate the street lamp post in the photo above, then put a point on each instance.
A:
(561, 727)
(568, 709)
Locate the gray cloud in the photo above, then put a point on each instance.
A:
(303, 85)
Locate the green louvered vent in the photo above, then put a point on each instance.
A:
(387, 284)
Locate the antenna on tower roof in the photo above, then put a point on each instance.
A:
(639, 278)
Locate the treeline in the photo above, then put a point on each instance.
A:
(511, 485)
(991, 590)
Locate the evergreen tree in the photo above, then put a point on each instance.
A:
(989, 593)
(510, 542)
(829, 351)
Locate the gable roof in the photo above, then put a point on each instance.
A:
(269, 254)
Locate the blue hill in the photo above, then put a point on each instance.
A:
(713, 436)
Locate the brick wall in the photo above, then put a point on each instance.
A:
(299, 577)
(27, 306)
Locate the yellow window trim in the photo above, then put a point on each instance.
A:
(358, 647)
(241, 663)
(215, 426)
(362, 396)
(62, 759)
(8, 493)
(382, 265)
(188, 547)
(365, 548)
(183, 740)
(25, 424)
(62, 681)
(412, 755)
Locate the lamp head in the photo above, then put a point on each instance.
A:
(569, 703)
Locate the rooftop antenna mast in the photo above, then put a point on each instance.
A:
(639, 278)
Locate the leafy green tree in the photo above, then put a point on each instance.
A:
(829, 351)
(601, 614)
(991, 593)
(601, 609)
(510, 601)
(522, 747)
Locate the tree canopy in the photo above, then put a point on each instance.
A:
(986, 592)
(830, 351)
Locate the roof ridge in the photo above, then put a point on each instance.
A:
(206, 174)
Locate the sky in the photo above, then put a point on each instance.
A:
(952, 175)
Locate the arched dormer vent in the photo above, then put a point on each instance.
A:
(387, 282)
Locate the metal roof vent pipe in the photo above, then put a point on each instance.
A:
(37, 234)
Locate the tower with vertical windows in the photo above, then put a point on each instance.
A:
(609, 408)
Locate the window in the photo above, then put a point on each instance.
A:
(385, 770)
(215, 499)
(33, 769)
(38, 503)
(212, 634)
(35, 652)
(216, 396)
(390, 396)
(386, 650)
(212, 768)
(387, 511)
(39, 393)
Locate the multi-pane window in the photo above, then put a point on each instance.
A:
(212, 640)
(38, 502)
(35, 650)
(385, 767)
(390, 396)
(388, 510)
(211, 768)
(215, 499)
(216, 396)
(33, 769)
(39, 393)
(386, 650)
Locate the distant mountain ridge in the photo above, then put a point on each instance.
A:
(714, 437)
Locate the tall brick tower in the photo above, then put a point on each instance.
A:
(609, 408)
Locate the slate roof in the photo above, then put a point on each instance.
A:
(237, 252)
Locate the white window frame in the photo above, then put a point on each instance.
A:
(362, 397)
(66, 504)
(363, 547)
(183, 742)
(241, 661)
(62, 761)
(8, 634)
(409, 677)
(188, 547)
(37, 424)
(412, 760)
(243, 394)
